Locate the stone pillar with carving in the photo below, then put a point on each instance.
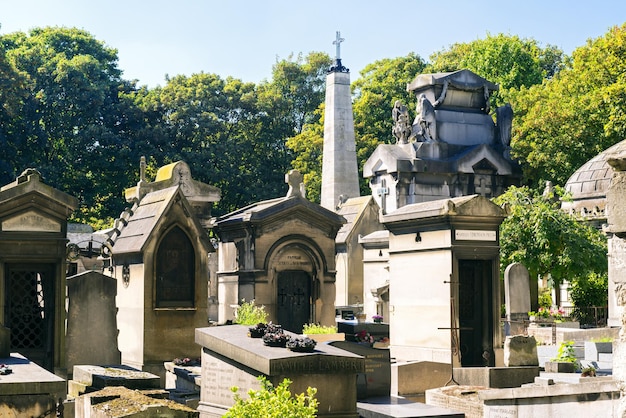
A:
(616, 214)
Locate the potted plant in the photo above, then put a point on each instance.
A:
(378, 319)
(565, 361)
(322, 333)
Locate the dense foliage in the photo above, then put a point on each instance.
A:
(565, 121)
(275, 402)
(548, 241)
(66, 110)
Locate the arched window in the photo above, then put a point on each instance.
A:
(175, 271)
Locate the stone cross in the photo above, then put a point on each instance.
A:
(483, 189)
(338, 40)
(294, 180)
(383, 191)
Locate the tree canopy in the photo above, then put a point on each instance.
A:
(66, 110)
(547, 240)
(563, 122)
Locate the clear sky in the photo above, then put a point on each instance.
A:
(244, 38)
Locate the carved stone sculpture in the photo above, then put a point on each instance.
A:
(424, 123)
(402, 127)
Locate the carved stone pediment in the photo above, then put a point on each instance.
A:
(31, 221)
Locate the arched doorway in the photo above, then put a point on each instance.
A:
(296, 291)
(293, 302)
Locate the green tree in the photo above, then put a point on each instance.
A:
(375, 92)
(548, 241)
(567, 120)
(508, 60)
(293, 102)
(274, 402)
(70, 120)
(307, 147)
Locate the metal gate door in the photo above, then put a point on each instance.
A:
(29, 311)
(474, 311)
(294, 299)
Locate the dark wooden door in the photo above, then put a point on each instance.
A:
(29, 311)
(294, 299)
(475, 312)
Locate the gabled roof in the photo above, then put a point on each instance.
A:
(28, 189)
(386, 158)
(146, 217)
(472, 205)
(465, 162)
(352, 210)
(267, 210)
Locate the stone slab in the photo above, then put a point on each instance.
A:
(29, 378)
(413, 378)
(102, 376)
(520, 350)
(393, 407)
(496, 377)
(230, 358)
(123, 402)
(232, 341)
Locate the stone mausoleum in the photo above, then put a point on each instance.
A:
(159, 254)
(452, 148)
(281, 254)
(33, 221)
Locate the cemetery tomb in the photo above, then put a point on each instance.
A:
(33, 219)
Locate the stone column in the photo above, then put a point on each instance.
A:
(616, 214)
(340, 174)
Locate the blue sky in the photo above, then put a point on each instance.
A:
(244, 38)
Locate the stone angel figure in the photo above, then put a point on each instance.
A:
(401, 126)
(424, 125)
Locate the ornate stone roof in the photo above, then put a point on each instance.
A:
(589, 184)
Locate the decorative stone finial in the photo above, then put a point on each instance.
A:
(295, 181)
(142, 169)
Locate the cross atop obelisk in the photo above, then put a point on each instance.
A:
(338, 40)
(337, 67)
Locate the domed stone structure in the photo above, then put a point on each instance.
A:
(588, 187)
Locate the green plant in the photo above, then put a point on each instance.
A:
(566, 354)
(545, 298)
(602, 340)
(588, 371)
(274, 402)
(319, 329)
(249, 314)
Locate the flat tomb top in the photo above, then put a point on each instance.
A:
(393, 407)
(232, 341)
(28, 378)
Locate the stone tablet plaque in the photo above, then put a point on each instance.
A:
(31, 221)
(376, 381)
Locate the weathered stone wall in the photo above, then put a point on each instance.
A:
(616, 211)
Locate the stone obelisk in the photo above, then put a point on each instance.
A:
(340, 174)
